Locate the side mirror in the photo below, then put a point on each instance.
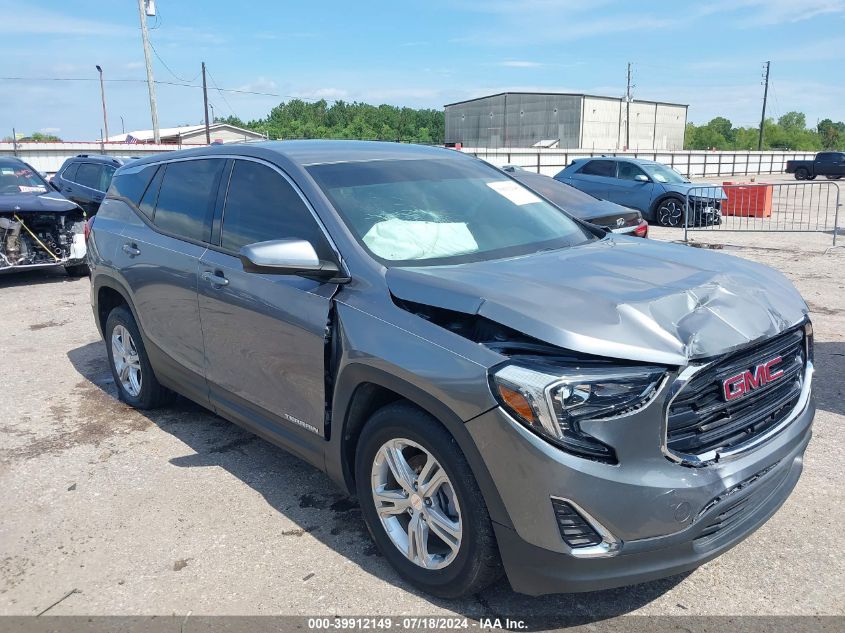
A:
(641, 178)
(286, 257)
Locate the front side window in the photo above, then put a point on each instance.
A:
(261, 205)
(629, 171)
(106, 173)
(186, 198)
(664, 174)
(606, 168)
(88, 175)
(439, 211)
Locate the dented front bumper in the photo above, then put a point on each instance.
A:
(661, 517)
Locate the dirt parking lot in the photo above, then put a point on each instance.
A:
(179, 511)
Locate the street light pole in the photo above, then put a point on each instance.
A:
(103, 97)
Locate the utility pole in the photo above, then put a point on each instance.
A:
(628, 110)
(151, 87)
(103, 97)
(765, 96)
(205, 105)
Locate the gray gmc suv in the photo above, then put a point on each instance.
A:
(502, 386)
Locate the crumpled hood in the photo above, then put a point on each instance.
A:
(618, 297)
(49, 202)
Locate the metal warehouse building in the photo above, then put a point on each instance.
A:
(567, 121)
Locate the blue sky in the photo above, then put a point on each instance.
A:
(708, 54)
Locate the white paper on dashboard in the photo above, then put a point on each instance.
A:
(513, 192)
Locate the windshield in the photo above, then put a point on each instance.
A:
(662, 173)
(428, 212)
(18, 177)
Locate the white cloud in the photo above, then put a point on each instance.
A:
(261, 84)
(518, 63)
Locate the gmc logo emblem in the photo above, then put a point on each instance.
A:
(744, 383)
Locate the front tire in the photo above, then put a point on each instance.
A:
(670, 212)
(130, 366)
(422, 504)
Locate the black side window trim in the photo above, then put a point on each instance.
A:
(218, 206)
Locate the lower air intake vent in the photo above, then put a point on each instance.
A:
(574, 529)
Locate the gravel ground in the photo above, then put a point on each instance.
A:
(179, 511)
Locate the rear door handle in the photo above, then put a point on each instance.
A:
(131, 249)
(216, 279)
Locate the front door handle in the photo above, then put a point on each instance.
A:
(131, 249)
(216, 279)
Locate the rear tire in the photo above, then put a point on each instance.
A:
(130, 366)
(400, 437)
(801, 173)
(78, 270)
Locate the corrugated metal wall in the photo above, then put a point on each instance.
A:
(535, 117)
(603, 122)
(530, 118)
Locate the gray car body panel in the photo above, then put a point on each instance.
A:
(616, 297)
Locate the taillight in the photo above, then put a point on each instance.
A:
(640, 231)
(88, 226)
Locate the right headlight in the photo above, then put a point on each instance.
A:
(553, 402)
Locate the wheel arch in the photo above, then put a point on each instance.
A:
(363, 389)
(109, 294)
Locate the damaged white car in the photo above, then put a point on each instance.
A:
(38, 226)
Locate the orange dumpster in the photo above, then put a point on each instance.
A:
(747, 200)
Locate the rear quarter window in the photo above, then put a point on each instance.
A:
(70, 172)
(132, 184)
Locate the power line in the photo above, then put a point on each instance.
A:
(166, 83)
(164, 63)
(223, 96)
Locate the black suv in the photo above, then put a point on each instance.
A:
(84, 179)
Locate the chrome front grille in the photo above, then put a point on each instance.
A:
(702, 421)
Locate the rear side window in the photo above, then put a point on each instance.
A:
(261, 205)
(605, 168)
(88, 175)
(70, 172)
(186, 198)
(132, 183)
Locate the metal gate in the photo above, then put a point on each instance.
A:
(762, 207)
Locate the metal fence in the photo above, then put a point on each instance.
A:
(691, 163)
(798, 207)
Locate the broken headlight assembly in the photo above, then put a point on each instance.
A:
(554, 401)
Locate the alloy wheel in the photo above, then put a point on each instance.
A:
(127, 364)
(670, 213)
(416, 503)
